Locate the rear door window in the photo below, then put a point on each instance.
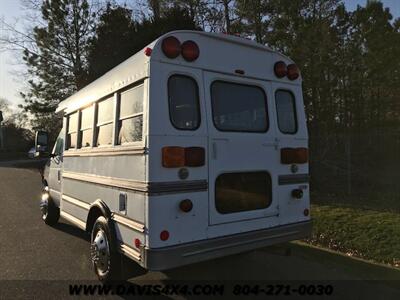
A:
(239, 107)
(236, 192)
(286, 111)
(183, 98)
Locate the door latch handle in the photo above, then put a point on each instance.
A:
(59, 175)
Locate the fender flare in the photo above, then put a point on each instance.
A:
(99, 208)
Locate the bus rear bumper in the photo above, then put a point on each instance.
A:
(175, 256)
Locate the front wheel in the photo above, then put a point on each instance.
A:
(50, 212)
(104, 256)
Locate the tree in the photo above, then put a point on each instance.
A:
(57, 61)
(252, 15)
(116, 27)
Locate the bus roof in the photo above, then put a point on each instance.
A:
(137, 67)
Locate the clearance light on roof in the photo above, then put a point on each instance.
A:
(294, 156)
(280, 69)
(148, 51)
(172, 48)
(291, 71)
(190, 51)
(177, 157)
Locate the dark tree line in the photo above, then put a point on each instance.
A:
(350, 61)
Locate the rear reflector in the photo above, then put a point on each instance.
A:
(164, 235)
(294, 155)
(137, 243)
(173, 157)
(190, 51)
(171, 47)
(176, 157)
(194, 156)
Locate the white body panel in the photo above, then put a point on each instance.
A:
(135, 172)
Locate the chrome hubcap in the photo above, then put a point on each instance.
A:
(100, 252)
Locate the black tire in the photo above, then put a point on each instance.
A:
(106, 260)
(50, 212)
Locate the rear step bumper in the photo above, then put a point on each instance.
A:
(175, 256)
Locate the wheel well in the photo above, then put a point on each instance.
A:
(97, 209)
(94, 213)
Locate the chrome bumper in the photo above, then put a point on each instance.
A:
(175, 256)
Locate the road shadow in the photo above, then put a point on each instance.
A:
(33, 164)
(72, 230)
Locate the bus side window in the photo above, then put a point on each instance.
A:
(72, 130)
(130, 123)
(104, 126)
(286, 111)
(183, 98)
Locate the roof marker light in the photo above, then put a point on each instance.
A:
(148, 51)
(293, 72)
(171, 47)
(280, 69)
(190, 51)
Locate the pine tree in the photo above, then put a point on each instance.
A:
(57, 64)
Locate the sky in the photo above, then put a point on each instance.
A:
(10, 10)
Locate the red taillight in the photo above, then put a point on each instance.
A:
(164, 235)
(294, 155)
(280, 69)
(176, 157)
(171, 47)
(147, 51)
(173, 157)
(293, 72)
(194, 156)
(137, 243)
(190, 51)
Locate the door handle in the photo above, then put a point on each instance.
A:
(59, 175)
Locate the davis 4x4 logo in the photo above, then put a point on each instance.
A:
(147, 289)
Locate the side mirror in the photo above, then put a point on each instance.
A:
(41, 143)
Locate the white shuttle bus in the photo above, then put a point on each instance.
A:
(192, 149)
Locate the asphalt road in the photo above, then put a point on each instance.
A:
(34, 257)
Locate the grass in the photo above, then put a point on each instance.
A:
(365, 233)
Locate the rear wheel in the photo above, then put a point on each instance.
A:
(104, 256)
(50, 212)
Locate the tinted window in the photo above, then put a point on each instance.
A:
(238, 107)
(286, 111)
(130, 123)
(235, 192)
(183, 97)
(59, 146)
